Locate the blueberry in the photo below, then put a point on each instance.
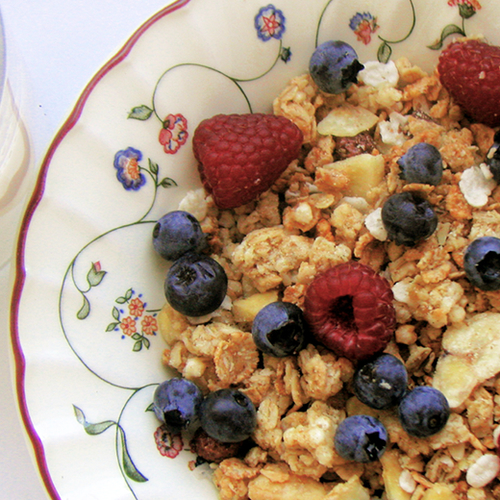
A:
(408, 218)
(176, 403)
(361, 438)
(195, 285)
(422, 164)
(228, 415)
(381, 382)
(177, 233)
(493, 157)
(423, 412)
(482, 263)
(334, 66)
(279, 329)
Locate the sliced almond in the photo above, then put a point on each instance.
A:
(471, 356)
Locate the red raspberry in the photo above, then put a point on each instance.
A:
(350, 310)
(241, 156)
(470, 70)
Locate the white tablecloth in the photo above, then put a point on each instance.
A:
(54, 47)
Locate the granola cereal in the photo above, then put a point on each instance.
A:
(325, 210)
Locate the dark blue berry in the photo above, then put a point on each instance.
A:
(334, 66)
(228, 415)
(361, 438)
(279, 329)
(177, 233)
(408, 218)
(176, 403)
(423, 412)
(493, 157)
(195, 285)
(381, 382)
(422, 164)
(482, 263)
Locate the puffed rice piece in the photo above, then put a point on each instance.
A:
(407, 482)
(483, 470)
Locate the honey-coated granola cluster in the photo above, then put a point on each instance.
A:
(325, 210)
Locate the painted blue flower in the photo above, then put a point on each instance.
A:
(270, 23)
(128, 171)
(364, 25)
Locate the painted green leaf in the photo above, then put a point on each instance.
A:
(116, 313)
(92, 429)
(140, 113)
(128, 465)
(153, 167)
(168, 182)
(285, 54)
(450, 29)
(84, 310)
(384, 52)
(94, 277)
(128, 294)
(146, 342)
(111, 326)
(137, 336)
(137, 346)
(150, 407)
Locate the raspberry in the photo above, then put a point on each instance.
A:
(349, 308)
(241, 156)
(470, 71)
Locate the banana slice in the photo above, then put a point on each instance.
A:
(347, 121)
(364, 171)
(471, 356)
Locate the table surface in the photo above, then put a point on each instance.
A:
(54, 48)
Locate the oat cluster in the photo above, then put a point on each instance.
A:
(325, 210)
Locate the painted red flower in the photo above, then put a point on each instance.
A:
(466, 8)
(149, 325)
(168, 445)
(128, 326)
(136, 307)
(473, 3)
(174, 133)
